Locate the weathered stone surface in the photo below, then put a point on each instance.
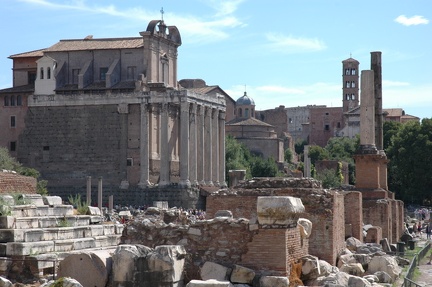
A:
(209, 283)
(353, 243)
(211, 270)
(166, 264)
(64, 281)
(223, 213)
(274, 281)
(305, 227)
(93, 210)
(52, 200)
(5, 282)
(355, 281)
(242, 274)
(383, 277)
(313, 268)
(385, 263)
(278, 210)
(334, 279)
(125, 263)
(90, 269)
(355, 269)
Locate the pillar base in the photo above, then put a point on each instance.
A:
(144, 184)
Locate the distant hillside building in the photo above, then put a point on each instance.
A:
(113, 108)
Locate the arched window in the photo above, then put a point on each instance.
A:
(19, 100)
(41, 73)
(353, 84)
(347, 97)
(347, 71)
(48, 73)
(352, 97)
(6, 101)
(246, 113)
(12, 101)
(240, 112)
(353, 71)
(347, 83)
(252, 113)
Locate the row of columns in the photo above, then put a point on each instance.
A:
(202, 145)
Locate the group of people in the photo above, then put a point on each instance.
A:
(418, 229)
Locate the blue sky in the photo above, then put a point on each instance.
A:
(282, 52)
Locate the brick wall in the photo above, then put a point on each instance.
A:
(15, 183)
(325, 209)
(354, 213)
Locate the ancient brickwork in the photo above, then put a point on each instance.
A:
(66, 144)
(354, 213)
(325, 209)
(377, 213)
(14, 183)
(226, 241)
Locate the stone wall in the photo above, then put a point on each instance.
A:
(223, 240)
(354, 214)
(14, 183)
(325, 209)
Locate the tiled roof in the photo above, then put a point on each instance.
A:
(393, 112)
(96, 44)
(36, 53)
(247, 122)
(20, 89)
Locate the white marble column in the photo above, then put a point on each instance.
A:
(367, 109)
(215, 146)
(208, 147)
(221, 162)
(88, 198)
(164, 155)
(193, 145)
(144, 146)
(200, 146)
(184, 144)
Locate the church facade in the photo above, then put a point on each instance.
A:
(112, 108)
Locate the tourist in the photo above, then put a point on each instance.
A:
(428, 231)
(419, 229)
(415, 229)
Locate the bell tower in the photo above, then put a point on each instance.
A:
(350, 84)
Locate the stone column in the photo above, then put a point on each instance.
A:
(123, 110)
(88, 199)
(110, 204)
(377, 89)
(100, 194)
(184, 143)
(367, 112)
(208, 147)
(221, 162)
(306, 162)
(164, 156)
(200, 147)
(215, 146)
(144, 146)
(193, 145)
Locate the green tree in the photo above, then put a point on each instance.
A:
(317, 153)
(410, 165)
(237, 156)
(329, 178)
(343, 149)
(390, 129)
(288, 155)
(263, 167)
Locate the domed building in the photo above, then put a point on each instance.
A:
(259, 137)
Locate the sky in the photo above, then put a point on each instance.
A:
(281, 52)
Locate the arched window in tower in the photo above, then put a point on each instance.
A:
(348, 84)
(6, 101)
(352, 97)
(19, 100)
(347, 97)
(353, 84)
(41, 75)
(240, 112)
(353, 72)
(48, 73)
(347, 71)
(246, 113)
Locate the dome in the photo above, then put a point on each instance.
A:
(245, 100)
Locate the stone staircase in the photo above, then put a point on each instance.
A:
(44, 231)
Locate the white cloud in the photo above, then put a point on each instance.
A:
(225, 7)
(387, 83)
(414, 20)
(290, 44)
(194, 28)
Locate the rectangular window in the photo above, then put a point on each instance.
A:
(327, 127)
(31, 77)
(12, 121)
(75, 73)
(131, 71)
(129, 161)
(12, 146)
(46, 147)
(102, 73)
